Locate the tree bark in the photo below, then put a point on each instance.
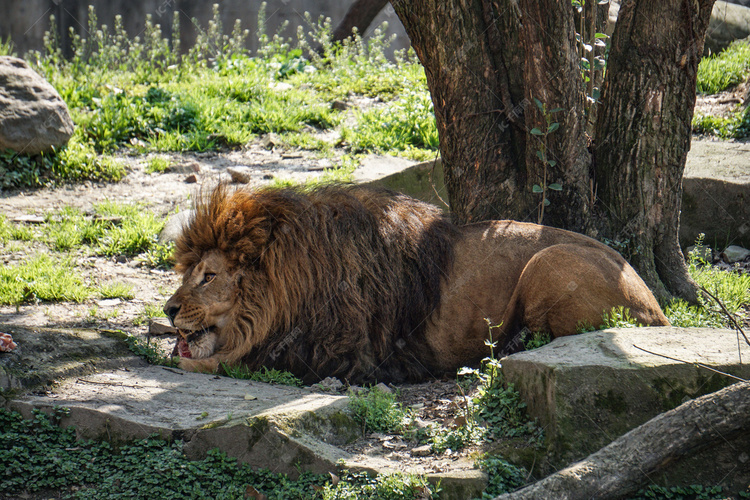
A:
(360, 15)
(624, 465)
(643, 134)
(486, 62)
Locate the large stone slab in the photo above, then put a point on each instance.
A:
(587, 390)
(716, 194)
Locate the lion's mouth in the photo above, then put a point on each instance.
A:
(188, 341)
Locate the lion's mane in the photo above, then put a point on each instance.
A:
(337, 280)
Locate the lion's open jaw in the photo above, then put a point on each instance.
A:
(194, 344)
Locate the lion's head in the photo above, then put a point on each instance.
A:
(325, 282)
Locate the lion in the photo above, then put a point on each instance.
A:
(369, 285)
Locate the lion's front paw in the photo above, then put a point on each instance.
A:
(207, 365)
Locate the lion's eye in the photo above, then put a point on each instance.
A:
(208, 278)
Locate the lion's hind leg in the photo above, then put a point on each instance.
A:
(566, 286)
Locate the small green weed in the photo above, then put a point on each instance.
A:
(151, 353)
(42, 279)
(149, 311)
(159, 256)
(377, 410)
(503, 476)
(158, 165)
(267, 375)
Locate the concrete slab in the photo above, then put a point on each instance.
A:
(587, 390)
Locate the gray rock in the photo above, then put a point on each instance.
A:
(185, 167)
(33, 116)
(160, 326)
(240, 174)
(174, 226)
(734, 253)
(422, 451)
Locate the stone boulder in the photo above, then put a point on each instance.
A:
(33, 116)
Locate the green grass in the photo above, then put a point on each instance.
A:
(137, 233)
(42, 278)
(38, 456)
(406, 125)
(10, 231)
(731, 288)
(116, 291)
(734, 126)
(726, 69)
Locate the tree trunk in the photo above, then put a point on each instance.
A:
(360, 15)
(625, 464)
(486, 62)
(643, 134)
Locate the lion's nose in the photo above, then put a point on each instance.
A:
(171, 312)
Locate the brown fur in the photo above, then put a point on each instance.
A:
(368, 285)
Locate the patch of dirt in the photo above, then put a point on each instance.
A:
(433, 403)
(724, 103)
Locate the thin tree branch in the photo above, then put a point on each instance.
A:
(728, 314)
(699, 365)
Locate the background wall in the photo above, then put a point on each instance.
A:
(25, 21)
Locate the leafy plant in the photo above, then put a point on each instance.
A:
(503, 477)
(550, 127)
(691, 492)
(618, 317)
(377, 410)
(535, 340)
(158, 165)
(38, 456)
